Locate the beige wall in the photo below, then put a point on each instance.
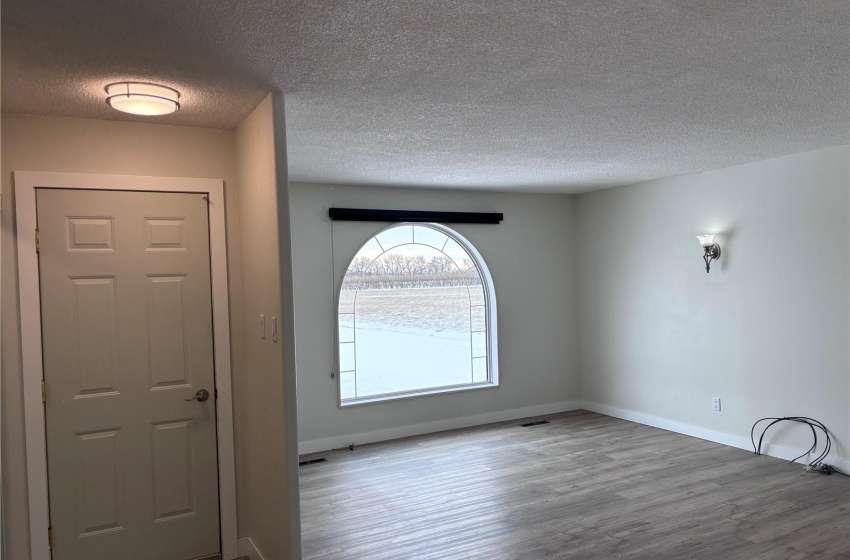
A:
(88, 146)
(266, 436)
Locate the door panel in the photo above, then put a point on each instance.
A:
(90, 234)
(167, 321)
(172, 469)
(165, 234)
(127, 338)
(99, 495)
(94, 322)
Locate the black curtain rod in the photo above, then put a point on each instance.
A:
(371, 215)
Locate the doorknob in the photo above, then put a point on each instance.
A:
(200, 396)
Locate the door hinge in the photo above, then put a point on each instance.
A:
(43, 391)
(37, 242)
(50, 538)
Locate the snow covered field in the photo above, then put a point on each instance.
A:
(411, 339)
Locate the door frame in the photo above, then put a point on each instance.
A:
(25, 185)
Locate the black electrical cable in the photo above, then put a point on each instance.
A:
(811, 422)
(817, 465)
(801, 419)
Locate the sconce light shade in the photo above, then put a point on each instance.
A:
(712, 250)
(706, 240)
(142, 99)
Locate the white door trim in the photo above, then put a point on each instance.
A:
(28, 282)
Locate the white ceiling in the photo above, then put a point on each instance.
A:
(541, 95)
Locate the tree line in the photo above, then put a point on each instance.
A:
(394, 270)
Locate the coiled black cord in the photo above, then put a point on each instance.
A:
(814, 466)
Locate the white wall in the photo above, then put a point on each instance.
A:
(266, 434)
(90, 146)
(766, 330)
(531, 258)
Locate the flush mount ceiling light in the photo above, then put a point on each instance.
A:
(142, 99)
(712, 250)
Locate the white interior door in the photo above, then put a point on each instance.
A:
(127, 344)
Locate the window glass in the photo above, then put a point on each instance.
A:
(412, 316)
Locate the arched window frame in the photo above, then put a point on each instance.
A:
(491, 318)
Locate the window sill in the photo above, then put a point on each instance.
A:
(419, 393)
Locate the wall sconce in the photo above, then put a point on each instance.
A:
(712, 250)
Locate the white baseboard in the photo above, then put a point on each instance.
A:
(741, 442)
(316, 445)
(246, 547)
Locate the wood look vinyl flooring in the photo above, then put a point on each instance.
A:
(584, 486)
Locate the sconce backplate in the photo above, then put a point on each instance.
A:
(712, 253)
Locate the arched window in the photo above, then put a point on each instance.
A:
(416, 315)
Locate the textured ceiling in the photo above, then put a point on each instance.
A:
(542, 95)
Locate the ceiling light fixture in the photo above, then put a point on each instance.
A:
(712, 250)
(142, 99)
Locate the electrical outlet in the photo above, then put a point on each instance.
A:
(715, 404)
